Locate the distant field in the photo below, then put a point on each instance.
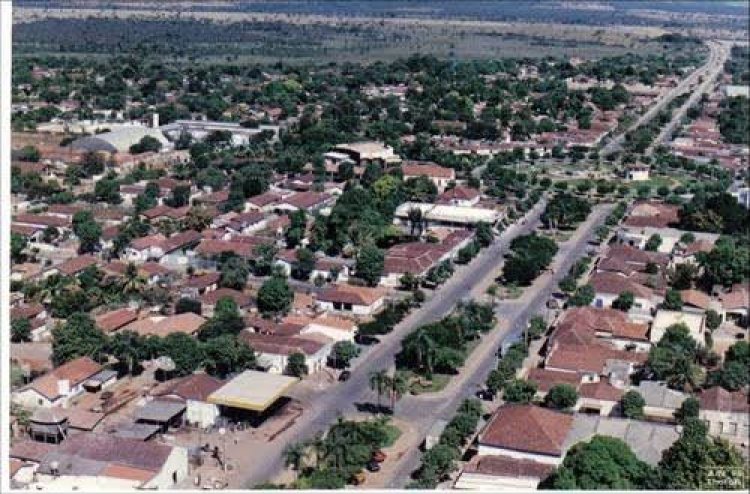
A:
(262, 38)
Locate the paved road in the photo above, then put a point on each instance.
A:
(714, 62)
(423, 411)
(322, 408)
(716, 67)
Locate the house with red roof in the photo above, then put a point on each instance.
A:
(57, 387)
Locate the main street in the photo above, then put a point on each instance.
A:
(513, 315)
(321, 408)
(715, 61)
(721, 52)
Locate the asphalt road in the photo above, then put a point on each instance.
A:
(322, 408)
(423, 411)
(715, 62)
(720, 52)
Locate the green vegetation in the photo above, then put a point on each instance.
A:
(531, 254)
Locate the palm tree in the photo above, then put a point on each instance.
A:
(399, 385)
(379, 383)
(133, 282)
(424, 347)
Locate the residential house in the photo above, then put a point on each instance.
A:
(273, 351)
(726, 414)
(194, 391)
(438, 175)
(356, 300)
(58, 387)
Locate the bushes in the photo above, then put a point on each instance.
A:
(384, 322)
(440, 461)
(507, 367)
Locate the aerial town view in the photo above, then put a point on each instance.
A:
(469, 245)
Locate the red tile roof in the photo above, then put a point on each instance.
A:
(527, 428)
(77, 264)
(589, 358)
(615, 284)
(76, 371)
(719, 399)
(42, 219)
(429, 170)
(212, 297)
(350, 294)
(114, 320)
(507, 466)
(280, 345)
(193, 387)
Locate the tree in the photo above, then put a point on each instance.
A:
(624, 301)
(197, 218)
(689, 462)
(398, 385)
(520, 391)
(296, 231)
(180, 197)
(77, 337)
(484, 234)
(564, 210)
(682, 276)
(294, 455)
(672, 300)
(561, 397)
(145, 145)
(583, 296)
(370, 264)
(185, 304)
(18, 244)
(274, 296)
(727, 263)
(632, 404)
(107, 190)
(689, 409)
(234, 273)
(225, 320)
(735, 372)
(673, 358)
(87, 231)
(296, 365)
(602, 463)
(713, 319)
(342, 354)
(653, 243)
(20, 330)
(379, 383)
(304, 265)
(225, 354)
(184, 351)
(128, 347)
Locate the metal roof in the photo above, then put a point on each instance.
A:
(252, 390)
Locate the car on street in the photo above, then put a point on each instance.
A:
(345, 375)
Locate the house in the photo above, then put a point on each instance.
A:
(58, 387)
(356, 300)
(330, 326)
(37, 316)
(526, 432)
(200, 284)
(33, 358)
(594, 359)
(736, 304)
(608, 286)
(263, 202)
(637, 173)
(306, 201)
(460, 196)
(666, 318)
(661, 401)
(438, 175)
(598, 396)
(73, 266)
(97, 462)
(332, 269)
(111, 321)
(194, 391)
(145, 248)
(187, 323)
(652, 214)
(726, 414)
(273, 351)
(584, 325)
(210, 298)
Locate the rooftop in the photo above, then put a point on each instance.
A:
(252, 390)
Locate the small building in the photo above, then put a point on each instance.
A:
(438, 175)
(727, 414)
(637, 173)
(58, 387)
(48, 425)
(194, 391)
(661, 401)
(356, 300)
(165, 413)
(252, 393)
(119, 140)
(363, 153)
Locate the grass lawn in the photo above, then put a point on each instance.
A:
(420, 385)
(392, 433)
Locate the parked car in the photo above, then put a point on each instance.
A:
(373, 466)
(345, 375)
(379, 456)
